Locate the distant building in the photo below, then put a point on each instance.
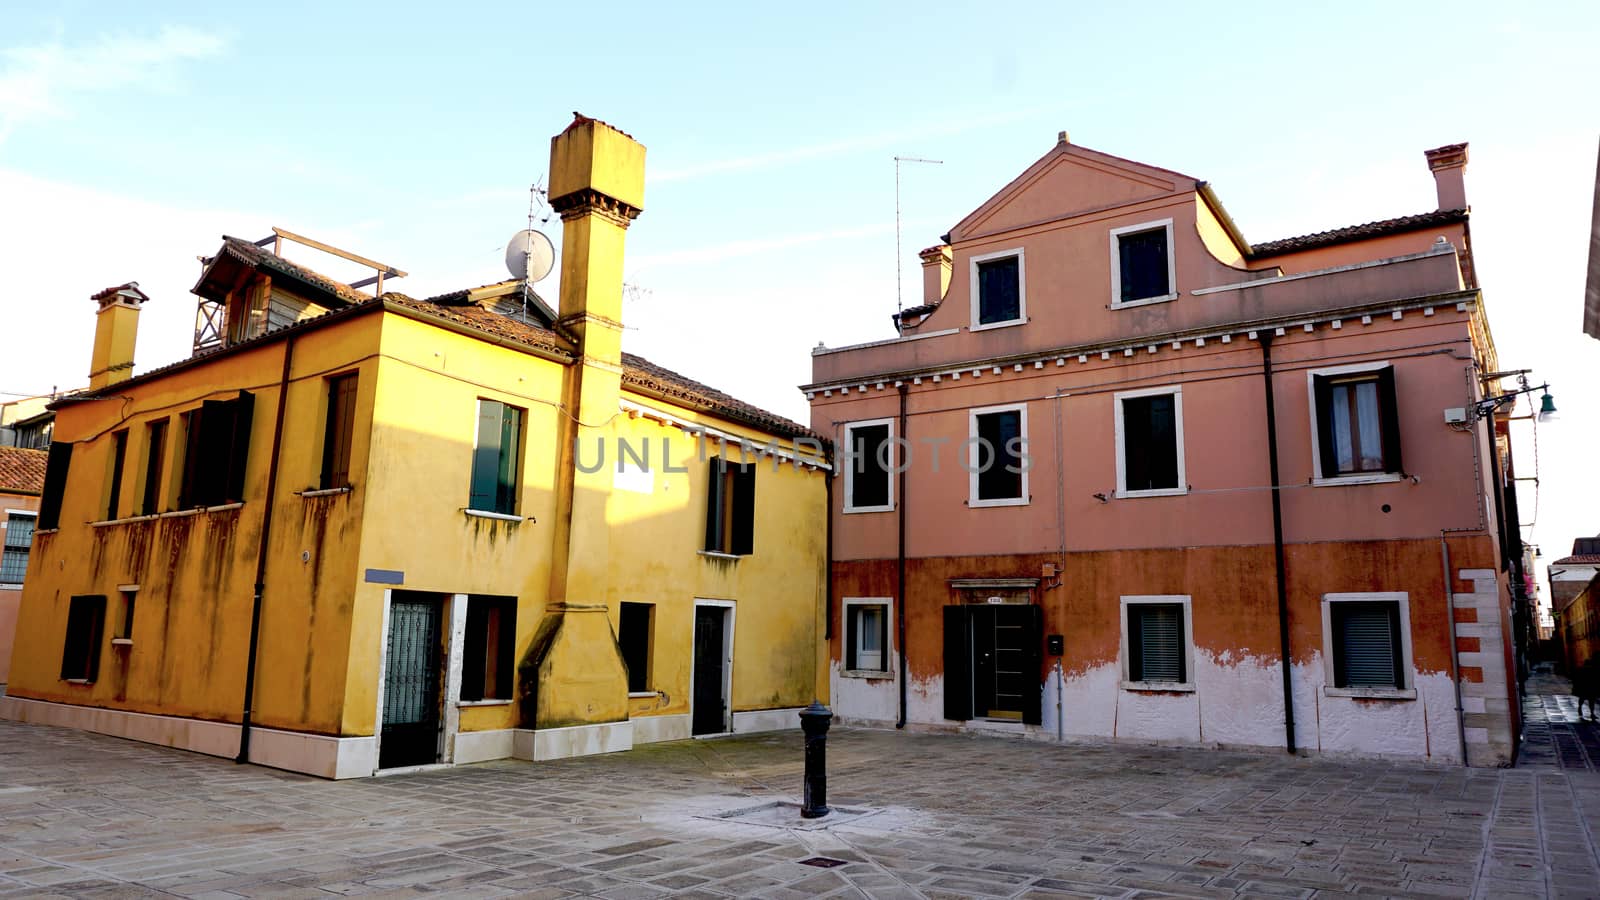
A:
(1125, 475)
(21, 481)
(1575, 598)
(26, 423)
(355, 533)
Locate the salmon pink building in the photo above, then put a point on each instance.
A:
(1125, 475)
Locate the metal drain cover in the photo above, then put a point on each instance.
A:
(822, 862)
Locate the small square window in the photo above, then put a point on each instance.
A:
(80, 653)
(17, 543)
(867, 637)
(1144, 263)
(634, 630)
(999, 289)
(488, 649)
(1156, 646)
(1366, 644)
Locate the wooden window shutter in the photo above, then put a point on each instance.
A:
(852, 628)
(241, 419)
(1389, 418)
(1032, 663)
(957, 665)
(744, 509)
(505, 492)
(55, 484)
(475, 650)
(1322, 392)
(714, 490)
(484, 489)
(80, 654)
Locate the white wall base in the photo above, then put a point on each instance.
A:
(766, 720)
(578, 740)
(314, 754)
(650, 729)
(481, 746)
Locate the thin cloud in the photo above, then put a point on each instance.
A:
(839, 147)
(39, 82)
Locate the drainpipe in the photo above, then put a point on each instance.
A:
(1455, 670)
(1277, 543)
(827, 556)
(900, 554)
(261, 555)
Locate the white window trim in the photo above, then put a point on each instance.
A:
(1116, 265)
(1128, 684)
(1022, 287)
(1407, 669)
(728, 633)
(850, 469)
(889, 655)
(1317, 478)
(1122, 459)
(972, 464)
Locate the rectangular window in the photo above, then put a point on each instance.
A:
(633, 634)
(867, 637)
(1357, 423)
(1366, 644)
(80, 655)
(56, 468)
(155, 451)
(495, 458)
(1156, 644)
(1142, 263)
(997, 456)
(119, 455)
(1150, 442)
(216, 448)
(128, 598)
(338, 431)
(18, 540)
(731, 507)
(488, 648)
(868, 478)
(998, 289)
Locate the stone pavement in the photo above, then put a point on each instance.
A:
(952, 816)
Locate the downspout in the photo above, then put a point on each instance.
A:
(827, 556)
(900, 555)
(1455, 670)
(261, 555)
(1277, 543)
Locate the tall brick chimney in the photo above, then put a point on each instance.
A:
(1449, 165)
(116, 329)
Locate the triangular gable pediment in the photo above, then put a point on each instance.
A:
(1069, 181)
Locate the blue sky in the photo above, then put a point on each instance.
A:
(132, 135)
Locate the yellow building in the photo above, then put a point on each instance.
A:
(357, 532)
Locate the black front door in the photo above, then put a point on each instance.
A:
(710, 706)
(993, 652)
(411, 683)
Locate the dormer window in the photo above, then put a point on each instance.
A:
(999, 289)
(1142, 269)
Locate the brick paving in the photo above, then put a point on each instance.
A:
(952, 816)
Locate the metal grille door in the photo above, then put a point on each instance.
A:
(411, 684)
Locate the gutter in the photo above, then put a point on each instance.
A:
(1277, 545)
(261, 557)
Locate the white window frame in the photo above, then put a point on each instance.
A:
(1121, 440)
(1128, 684)
(1116, 265)
(850, 469)
(1408, 669)
(889, 655)
(7, 585)
(972, 463)
(1317, 478)
(1022, 287)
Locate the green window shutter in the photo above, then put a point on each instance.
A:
(510, 453)
(1389, 418)
(241, 418)
(486, 457)
(55, 484)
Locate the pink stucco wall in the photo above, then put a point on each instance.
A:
(10, 600)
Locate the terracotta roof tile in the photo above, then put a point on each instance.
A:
(250, 254)
(22, 470)
(638, 372)
(1381, 228)
(1581, 559)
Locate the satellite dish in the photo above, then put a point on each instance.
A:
(530, 256)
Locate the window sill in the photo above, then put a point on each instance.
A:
(486, 514)
(852, 510)
(1371, 693)
(1159, 687)
(324, 492)
(718, 554)
(1006, 324)
(122, 642)
(1010, 501)
(1168, 298)
(46, 530)
(643, 695)
(8, 586)
(868, 674)
(1159, 492)
(174, 514)
(1373, 478)
(84, 681)
(466, 703)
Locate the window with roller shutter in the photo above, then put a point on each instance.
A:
(1155, 643)
(1366, 645)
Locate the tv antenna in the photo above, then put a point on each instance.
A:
(529, 255)
(899, 296)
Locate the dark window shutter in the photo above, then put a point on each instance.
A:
(1032, 714)
(852, 628)
(119, 455)
(714, 489)
(505, 672)
(55, 484)
(475, 650)
(1389, 417)
(1322, 392)
(1155, 642)
(80, 654)
(484, 490)
(242, 418)
(505, 490)
(957, 665)
(744, 509)
(1143, 258)
(339, 431)
(1366, 645)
